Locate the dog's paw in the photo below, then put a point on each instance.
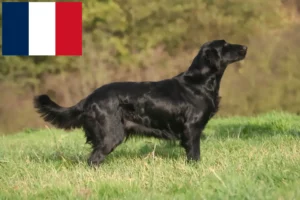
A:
(93, 163)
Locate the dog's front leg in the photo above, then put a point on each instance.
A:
(191, 142)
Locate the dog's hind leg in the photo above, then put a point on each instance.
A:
(103, 149)
(105, 136)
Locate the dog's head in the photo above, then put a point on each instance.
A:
(219, 53)
(214, 56)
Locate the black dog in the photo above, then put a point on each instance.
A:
(176, 108)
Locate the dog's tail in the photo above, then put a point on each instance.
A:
(65, 118)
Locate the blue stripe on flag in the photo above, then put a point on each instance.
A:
(15, 33)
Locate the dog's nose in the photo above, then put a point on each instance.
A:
(244, 48)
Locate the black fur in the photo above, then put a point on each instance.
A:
(175, 109)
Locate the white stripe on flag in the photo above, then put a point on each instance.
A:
(41, 28)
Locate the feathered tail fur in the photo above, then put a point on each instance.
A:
(65, 118)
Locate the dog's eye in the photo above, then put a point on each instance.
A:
(226, 45)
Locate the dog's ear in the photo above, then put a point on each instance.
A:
(212, 57)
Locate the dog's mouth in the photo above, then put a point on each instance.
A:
(243, 51)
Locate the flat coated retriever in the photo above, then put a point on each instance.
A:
(175, 109)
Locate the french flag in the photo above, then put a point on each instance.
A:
(42, 28)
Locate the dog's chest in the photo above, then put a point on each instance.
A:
(215, 102)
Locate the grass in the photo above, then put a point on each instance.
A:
(242, 158)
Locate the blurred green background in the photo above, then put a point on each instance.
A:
(141, 40)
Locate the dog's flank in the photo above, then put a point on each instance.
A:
(175, 108)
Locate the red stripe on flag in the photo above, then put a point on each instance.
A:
(68, 28)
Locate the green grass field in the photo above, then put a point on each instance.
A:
(242, 158)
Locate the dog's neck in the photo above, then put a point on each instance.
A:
(200, 83)
(199, 76)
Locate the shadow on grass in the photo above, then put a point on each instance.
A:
(165, 149)
(254, 130)
(59, 157)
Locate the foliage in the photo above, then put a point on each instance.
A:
(121, 29)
